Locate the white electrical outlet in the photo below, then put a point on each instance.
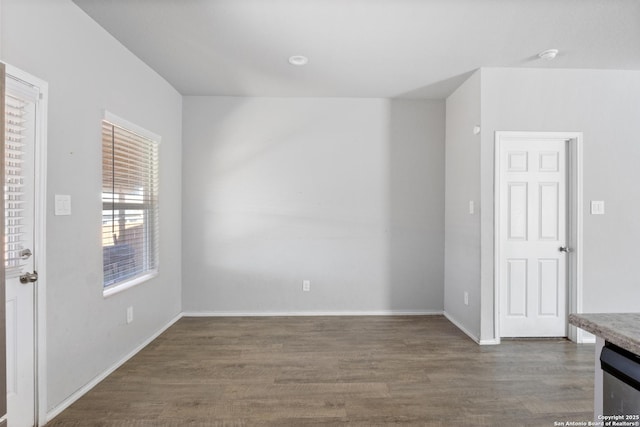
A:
(306, 285)
(129, 315)
(472, 207)
(466, 298)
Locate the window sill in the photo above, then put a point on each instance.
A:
(120, 287)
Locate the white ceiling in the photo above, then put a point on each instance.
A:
(363, 48)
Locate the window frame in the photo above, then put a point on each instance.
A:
(147, 273)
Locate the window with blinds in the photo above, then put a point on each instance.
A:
(16, 129)
(129, 205)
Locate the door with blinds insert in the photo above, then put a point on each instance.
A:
(21, 109)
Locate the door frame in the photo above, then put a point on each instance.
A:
(574, 222)
(40, 200)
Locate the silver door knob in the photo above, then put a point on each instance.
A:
(29, 277)
(564, 249)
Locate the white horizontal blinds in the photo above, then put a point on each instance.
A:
(16, 127)
(129, 203)
(2, 213)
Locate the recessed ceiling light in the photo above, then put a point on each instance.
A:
(548, 54)
(298, 60)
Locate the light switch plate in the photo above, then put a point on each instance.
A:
(63, 204)
(472, 207)
(597, 207)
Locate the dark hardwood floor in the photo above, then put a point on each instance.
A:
(326, 371)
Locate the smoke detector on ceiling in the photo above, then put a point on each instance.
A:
(548, 54)
(298, 60)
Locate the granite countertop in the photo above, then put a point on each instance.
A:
(621, 329)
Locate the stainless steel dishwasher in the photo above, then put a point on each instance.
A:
(620, 381)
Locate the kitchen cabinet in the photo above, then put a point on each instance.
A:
(617, 387)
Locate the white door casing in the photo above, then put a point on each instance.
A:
(25, 302)
(532, 217)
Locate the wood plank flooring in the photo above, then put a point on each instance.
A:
(331, 371)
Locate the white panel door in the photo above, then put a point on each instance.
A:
(20, 137)
(533, 229)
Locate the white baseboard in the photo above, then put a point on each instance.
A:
(466, 331)
(94, 382)
(585, 337)
(309, 313)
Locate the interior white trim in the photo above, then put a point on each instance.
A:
(309, 313)
(95, 381)
(575, 218)
(128, 284)
(492, 341)
(586, 338)
(471, 335)
(40, 254)
(460, 326)
(1, 56)
(576, 213)
(132, 127)
(40, 228)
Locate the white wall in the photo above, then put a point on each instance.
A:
(462, 229)
(347, 193)
(88, 71)
(605, 106)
